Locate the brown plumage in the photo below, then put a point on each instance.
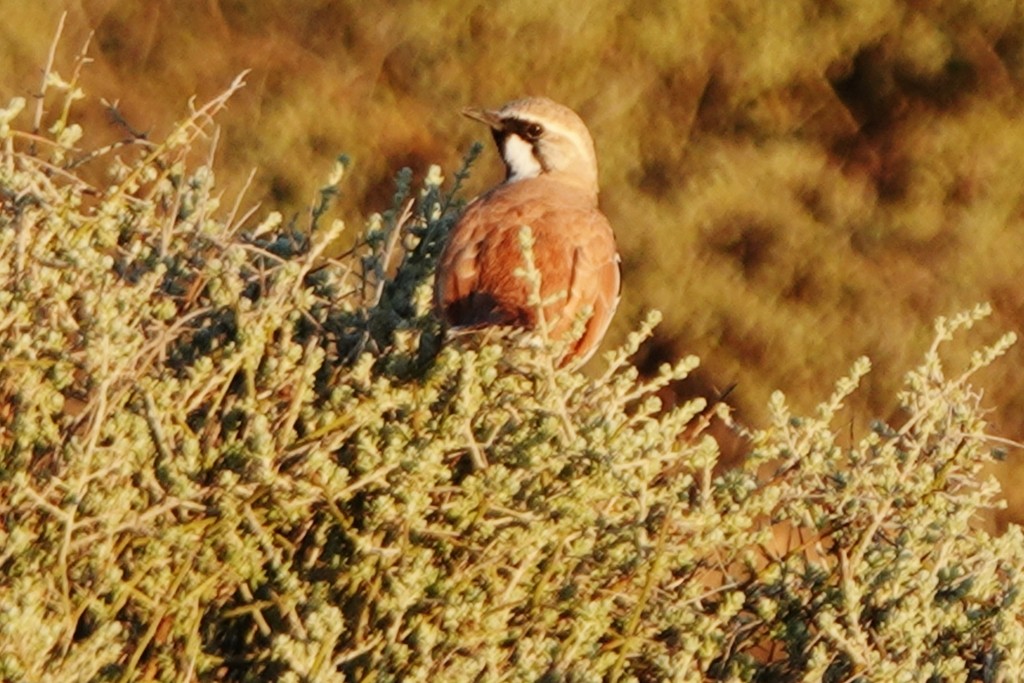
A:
(550, 186)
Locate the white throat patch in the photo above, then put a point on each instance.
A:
(518, 155)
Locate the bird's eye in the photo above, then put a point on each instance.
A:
(533, 131)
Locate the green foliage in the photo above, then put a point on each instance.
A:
(225, 457)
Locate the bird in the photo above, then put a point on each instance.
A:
(551, 186)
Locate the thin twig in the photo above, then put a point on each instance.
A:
(37, 120)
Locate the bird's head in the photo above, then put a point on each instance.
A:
(537, 136)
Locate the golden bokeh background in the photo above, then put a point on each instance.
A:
(793, 183)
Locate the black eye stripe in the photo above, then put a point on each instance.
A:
(520, 129)
(527, 130)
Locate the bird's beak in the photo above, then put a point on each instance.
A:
(487, 116)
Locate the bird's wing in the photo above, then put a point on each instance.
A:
(594, 285)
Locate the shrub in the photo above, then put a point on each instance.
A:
(225, 457)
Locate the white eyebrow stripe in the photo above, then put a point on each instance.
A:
(578, 141)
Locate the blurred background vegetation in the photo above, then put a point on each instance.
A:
(793, 183)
